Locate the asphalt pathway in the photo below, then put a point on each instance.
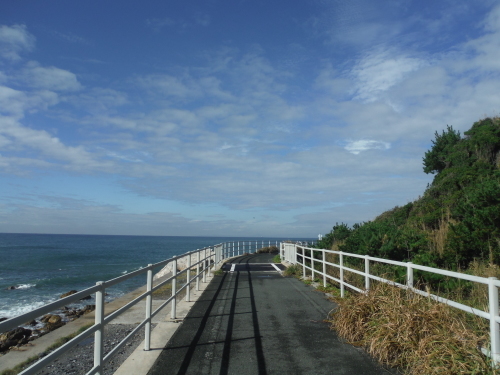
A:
(252, 320)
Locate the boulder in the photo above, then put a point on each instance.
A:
(18, 336)
(88, 308)
(12, 287)
(51, 322)
(68, 293)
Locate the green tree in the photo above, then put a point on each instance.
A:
(437, 158)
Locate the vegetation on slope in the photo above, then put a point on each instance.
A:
(455, 222)
(454, 225)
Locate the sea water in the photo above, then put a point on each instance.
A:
(41, 267)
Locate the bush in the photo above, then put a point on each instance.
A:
(269, 249)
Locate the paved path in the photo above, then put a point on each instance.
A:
(254, 321)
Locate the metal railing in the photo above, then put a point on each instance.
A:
(205, 258)
(296, 254)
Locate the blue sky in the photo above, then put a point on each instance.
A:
(231, 118)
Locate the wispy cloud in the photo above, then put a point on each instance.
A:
(378, 71)
(14, 40)
(355, 147)
(49, 78)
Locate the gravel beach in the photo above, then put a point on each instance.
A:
(80, 359)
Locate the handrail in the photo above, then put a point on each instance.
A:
(290, 253)
(216, 254)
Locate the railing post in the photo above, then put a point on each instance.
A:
(494, 328)
(188, 272)
(303, 262)
(341, 268)
(324, 268)
(99, 334)
(204, 265)
(367, 273)
(198, 270)
(312, 265)
(174, 289)
(409, 275)
(209, 257)
(238, 248)
(149, 301)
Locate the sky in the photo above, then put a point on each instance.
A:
(231, 118)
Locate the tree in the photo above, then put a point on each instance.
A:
(437, 158)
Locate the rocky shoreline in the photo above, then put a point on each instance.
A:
(16, 338)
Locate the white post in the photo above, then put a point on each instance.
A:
(303, 263)
(204, 265)
(209, 256)
(188, 272)
(99, 334)
(409, 275)
(341, 263)
(238, 247)
(149, 300)
(198, 270)
(312, 265)
(174, 289)
(367, 273)
(324, 268)
(494, 328)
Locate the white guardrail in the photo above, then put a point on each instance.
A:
(292, 253)
(205, 258)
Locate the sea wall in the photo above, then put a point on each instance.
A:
(181, 265)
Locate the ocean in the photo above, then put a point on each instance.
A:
(44, 266)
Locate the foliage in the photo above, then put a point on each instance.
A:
(437, 158)
(456, 221)
(268, 250)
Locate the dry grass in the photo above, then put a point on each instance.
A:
(268, 250)
(411, 332)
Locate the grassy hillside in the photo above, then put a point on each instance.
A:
(455, 222)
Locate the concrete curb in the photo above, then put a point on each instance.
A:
(141, 361)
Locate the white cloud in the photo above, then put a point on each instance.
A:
(178, 87)
(14, 40)
(355, 147)
(378, 71)
(49, 78)
(16, 103)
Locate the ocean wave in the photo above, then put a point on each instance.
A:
(124, 272)
(19, 309)
(25, 286)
